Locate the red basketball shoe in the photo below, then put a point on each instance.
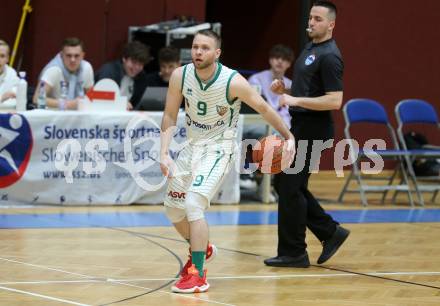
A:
(191, 282)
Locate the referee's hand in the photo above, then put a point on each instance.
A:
(278, 86)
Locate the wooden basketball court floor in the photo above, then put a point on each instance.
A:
(51, 255)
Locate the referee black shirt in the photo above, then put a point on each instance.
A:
(318, 70)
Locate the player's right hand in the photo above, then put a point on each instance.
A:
(278, 86)
(166, 165)
(288, 153)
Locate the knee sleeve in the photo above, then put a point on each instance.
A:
(195, 205)
(175, 215)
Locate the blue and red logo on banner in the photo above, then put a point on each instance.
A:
(15, 148)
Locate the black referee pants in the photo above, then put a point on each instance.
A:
(297, 207)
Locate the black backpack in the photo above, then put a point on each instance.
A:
(422, 166)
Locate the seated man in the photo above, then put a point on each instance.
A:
(169, 59)
(280, 59)
(128, 72)
(8, 76)
(157, 82)
(70, 68)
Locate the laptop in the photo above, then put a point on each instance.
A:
(246, 109)
(153, 99)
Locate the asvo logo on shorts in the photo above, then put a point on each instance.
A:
(175, 195)
(15, 148)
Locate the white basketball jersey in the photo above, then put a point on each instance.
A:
(210, 115)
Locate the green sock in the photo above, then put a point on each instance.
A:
(198, 259)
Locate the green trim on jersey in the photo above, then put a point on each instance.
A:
(219, 69)
(216, 162)
(210, 120)
(227, 88)
(232, 116)
(183, 78)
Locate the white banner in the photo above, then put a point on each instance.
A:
(51, 157)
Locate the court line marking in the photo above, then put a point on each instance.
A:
(45, 267)
(292, 276)
(171, 293)
(43, 296)
(124, 281)
(96, 279)
(52, 282)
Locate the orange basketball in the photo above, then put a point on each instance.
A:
(269, 154)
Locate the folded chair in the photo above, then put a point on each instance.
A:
(413, 112)
(372, 114)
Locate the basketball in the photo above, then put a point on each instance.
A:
(269, 154)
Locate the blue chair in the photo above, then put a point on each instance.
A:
(418, 112)
(370, 112)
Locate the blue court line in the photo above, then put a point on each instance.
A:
(139, 219)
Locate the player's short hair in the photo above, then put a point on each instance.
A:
(282, 51)
(212, 34)
(5, 44)
(137, 51)
(169, 55)
(72, 42)
(332, 9)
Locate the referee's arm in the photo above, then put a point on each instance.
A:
(331, 72)
(329, 101)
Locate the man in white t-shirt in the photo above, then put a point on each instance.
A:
(8, 76)
(68, 66)
(281, 58)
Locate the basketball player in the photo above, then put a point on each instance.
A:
(213, 95)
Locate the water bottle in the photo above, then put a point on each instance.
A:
(41, 101)
(22, 92)
(81, 91)
(63, 98)
(81, 95)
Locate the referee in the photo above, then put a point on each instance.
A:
(316, 90)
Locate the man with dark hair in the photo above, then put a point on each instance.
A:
(283, 52)
(280, 59)
(69, 67)
(72, 42)
(169, 59)
(128, 72)
(332, 9)
(316, 90)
